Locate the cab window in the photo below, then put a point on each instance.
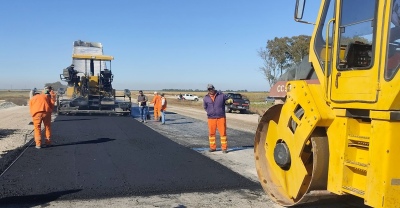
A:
(356, 34)
(393, 53)
(321, 38)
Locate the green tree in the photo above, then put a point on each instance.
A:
(282, 53)
(299, 47)
(269, 66)
(279, 50)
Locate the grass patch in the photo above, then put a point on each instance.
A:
(186, 103)
(20, 97)
(259, 108)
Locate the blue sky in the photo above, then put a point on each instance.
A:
(157, 44)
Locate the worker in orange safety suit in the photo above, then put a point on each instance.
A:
(157, 106)
(40, 107)
(48, 90)
(214, 104)
(52, 95)
(163, 108)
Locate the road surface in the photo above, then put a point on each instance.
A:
(103, 161)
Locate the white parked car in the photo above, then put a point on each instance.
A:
(188, 97)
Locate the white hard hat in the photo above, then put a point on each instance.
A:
(396, 13)
(155, 92)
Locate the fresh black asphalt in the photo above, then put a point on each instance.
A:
(106, 156)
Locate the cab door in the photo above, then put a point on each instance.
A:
(354, 76)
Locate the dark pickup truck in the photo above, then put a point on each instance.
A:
(239, 103)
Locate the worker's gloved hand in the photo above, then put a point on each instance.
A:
(229, 101)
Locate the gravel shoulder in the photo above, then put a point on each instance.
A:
(14, 125)
(242, 122)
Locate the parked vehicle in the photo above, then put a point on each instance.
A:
(269, 99)
(188, 97)
(239, 103)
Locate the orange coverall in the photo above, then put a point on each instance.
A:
(157, 107)
(40, 107)
(213, 125)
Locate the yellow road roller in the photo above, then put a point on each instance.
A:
(340, 135)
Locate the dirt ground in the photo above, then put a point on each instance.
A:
(15, 128)
(15, 131)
